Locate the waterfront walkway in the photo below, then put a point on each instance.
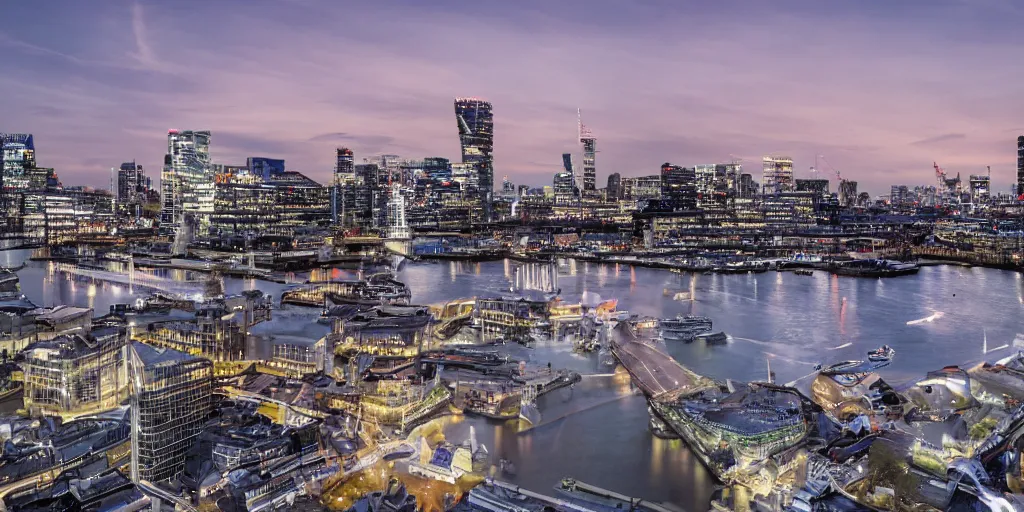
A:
(653, 371)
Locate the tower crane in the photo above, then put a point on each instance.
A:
(940, 175)
(815, 169)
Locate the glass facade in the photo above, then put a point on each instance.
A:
(132, 189)
(74, 374)
(187, 181)
(1020, 165)
(171, 400)
(589, 185)
(678, 187)
(265, 168)
(246, 204)
(476, 136)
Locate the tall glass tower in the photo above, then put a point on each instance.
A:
(589, 143)
(476, 136)
(1020, 165)
(187, 181)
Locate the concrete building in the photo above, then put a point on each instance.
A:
(847, 193)
(981, 188)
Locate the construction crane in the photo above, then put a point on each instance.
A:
(940, 175)
(815, 169)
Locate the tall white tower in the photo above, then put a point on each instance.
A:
(398, 228)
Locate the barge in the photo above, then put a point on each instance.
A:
(873, 268)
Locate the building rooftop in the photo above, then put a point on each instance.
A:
(61, 314)
(153, 356)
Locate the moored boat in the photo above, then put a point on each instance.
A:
(712, 338)
(874, 268)
(883, 353)
(684, 327)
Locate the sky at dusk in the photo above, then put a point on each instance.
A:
(881, 88)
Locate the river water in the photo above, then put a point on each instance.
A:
(597, 432)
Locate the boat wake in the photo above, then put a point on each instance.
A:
(756, 342)
(784, 358)
(928, 319)
(844, 345)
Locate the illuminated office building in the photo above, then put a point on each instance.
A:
(171, 398)
(777, 174)
(186, 182)
(565, 188)
(132, 189)
(1020, 165)
(588, 183)
(75, 374)
(476, 136)
(678, 187)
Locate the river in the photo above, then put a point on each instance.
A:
(597, 432)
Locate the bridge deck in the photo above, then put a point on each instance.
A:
(653, 371)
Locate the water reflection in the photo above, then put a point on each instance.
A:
(794, 321)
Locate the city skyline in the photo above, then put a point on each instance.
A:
(881, 91)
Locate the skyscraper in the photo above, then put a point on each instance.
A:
(170, 401)
(589, 179)
(476, 136)
(564, 188)
(344, 167)
(18, 158)
(1020, 165)
(777, 174)
(131, 189)
(679, 187)
(567, 164)
(614, 186)
(187, 181)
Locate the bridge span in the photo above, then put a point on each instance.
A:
(656, 374)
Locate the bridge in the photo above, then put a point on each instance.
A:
(135, 278)
(656, 374)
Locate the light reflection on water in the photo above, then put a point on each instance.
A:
(597, 432)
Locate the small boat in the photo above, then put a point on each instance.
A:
(817, 367)
(803, 272)
(712, 338)
(686, 323)
(883, 353)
